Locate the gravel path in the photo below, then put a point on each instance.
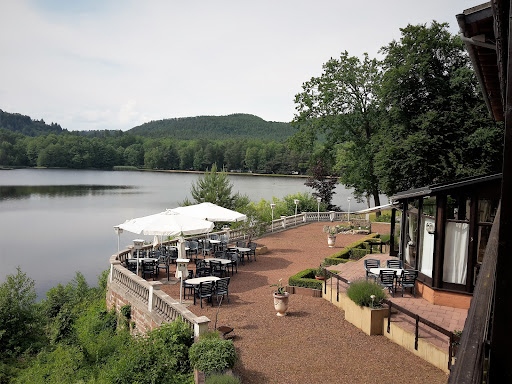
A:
(312, 343)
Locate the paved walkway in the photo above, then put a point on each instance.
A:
(449, 318)
(313, 342)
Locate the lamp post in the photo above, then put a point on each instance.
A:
(318, 200)
(118, 231)
(349, 198)
(272, 206)
(296, 201)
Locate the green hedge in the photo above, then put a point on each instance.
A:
(306, 279)
(212, 355)
(344, 254)
(358, 253)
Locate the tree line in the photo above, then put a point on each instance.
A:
(77, 151)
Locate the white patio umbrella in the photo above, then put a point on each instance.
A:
(167, 224)
(210, 212)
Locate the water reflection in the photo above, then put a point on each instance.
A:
(54, 191)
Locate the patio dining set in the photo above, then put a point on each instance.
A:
(214, 259)
(393, 276)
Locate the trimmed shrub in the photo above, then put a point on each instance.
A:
(306, 279)
(343, 255)
(360, 292)
(385, 238)
(222, 379)
(358, 253)
(212, 355)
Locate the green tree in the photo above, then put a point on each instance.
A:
(322, 182)
(215, 187)
(342, 105)
(436, 126)
(20, 322)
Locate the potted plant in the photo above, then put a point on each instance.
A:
(280, 299)
(320, 273)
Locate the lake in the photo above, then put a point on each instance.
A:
(56, 222)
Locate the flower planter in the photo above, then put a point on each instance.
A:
(331, 240)
(281, 303)
(369, 320)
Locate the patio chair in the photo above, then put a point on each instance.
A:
(408, 280)
(193, 249)
(149, 268)
(131, 266)
(387, 280)
(218, 269)
(214, 236)
(207, 248)
(203, 272)
(188, 287)
(219, 254)
(222, 288)
(163, 263)
(173, 255)
(252, 252)
(205, 290)
(201, 264)
(394, 263)
(241, 244)
(371, 263)
(233, 256)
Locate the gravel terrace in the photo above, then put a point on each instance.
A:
(313, 343)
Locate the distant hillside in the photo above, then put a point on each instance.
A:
(237, 126)
(25, 125)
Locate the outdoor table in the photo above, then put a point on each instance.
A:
(199, 280)
(244, 252)
(222, 261)
(376, 271)
(215, 244)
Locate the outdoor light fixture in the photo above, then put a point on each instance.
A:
(272, 206)
(118, 231)
(296, 201)
(318, 200)
(349, 198)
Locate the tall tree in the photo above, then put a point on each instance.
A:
(436, 126)
(323, 182)
(342, 105)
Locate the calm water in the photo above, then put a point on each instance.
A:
(56, 222)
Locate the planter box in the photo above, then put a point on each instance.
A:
(370, 321)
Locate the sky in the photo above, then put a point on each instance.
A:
(115, 64)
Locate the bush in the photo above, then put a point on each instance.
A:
(360, 291)
(385, 238)
(212, 355)
(343, 255)
(306, 279)
(358, 253)
(222, 379)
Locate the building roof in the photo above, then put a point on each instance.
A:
(435, 188)
(477, 32)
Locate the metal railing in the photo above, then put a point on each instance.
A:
(330, 276)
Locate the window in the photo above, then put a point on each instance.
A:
(428, 221)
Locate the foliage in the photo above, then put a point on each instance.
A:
(383, 218)
(342, 104)
(385, 238)
(20, 321)
(343, 255)
(436, 127)
(126, 311)
(306, 279)
(256, 223)
(215, 187)
(222, 379)
(280, 289)
(323, 181)
(239, 125)
(361, 292)
(16, 122)
(358, 253)
(212, 355)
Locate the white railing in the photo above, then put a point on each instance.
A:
(167, 308)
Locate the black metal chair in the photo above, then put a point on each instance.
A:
(233, 256)
(222, 288)
(371, 263)
(214, 236)
(205, 290)
(131, 265)
(252, 252)
(149, 268)
(218, 269)
(188, 287)
(193, 249)
(241, 244)
(163, 263)
(207, 248)
(408, 280)
(201, 264)
(203, 272)
(387, 280)
(220, 254)
(394, 263)
(173, 255)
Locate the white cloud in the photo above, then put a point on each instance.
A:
(111, 64)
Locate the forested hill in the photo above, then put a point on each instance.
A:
(25, 125)
(236, 126)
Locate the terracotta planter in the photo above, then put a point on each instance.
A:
(281, 303)
(331, 240)
(320, 277)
